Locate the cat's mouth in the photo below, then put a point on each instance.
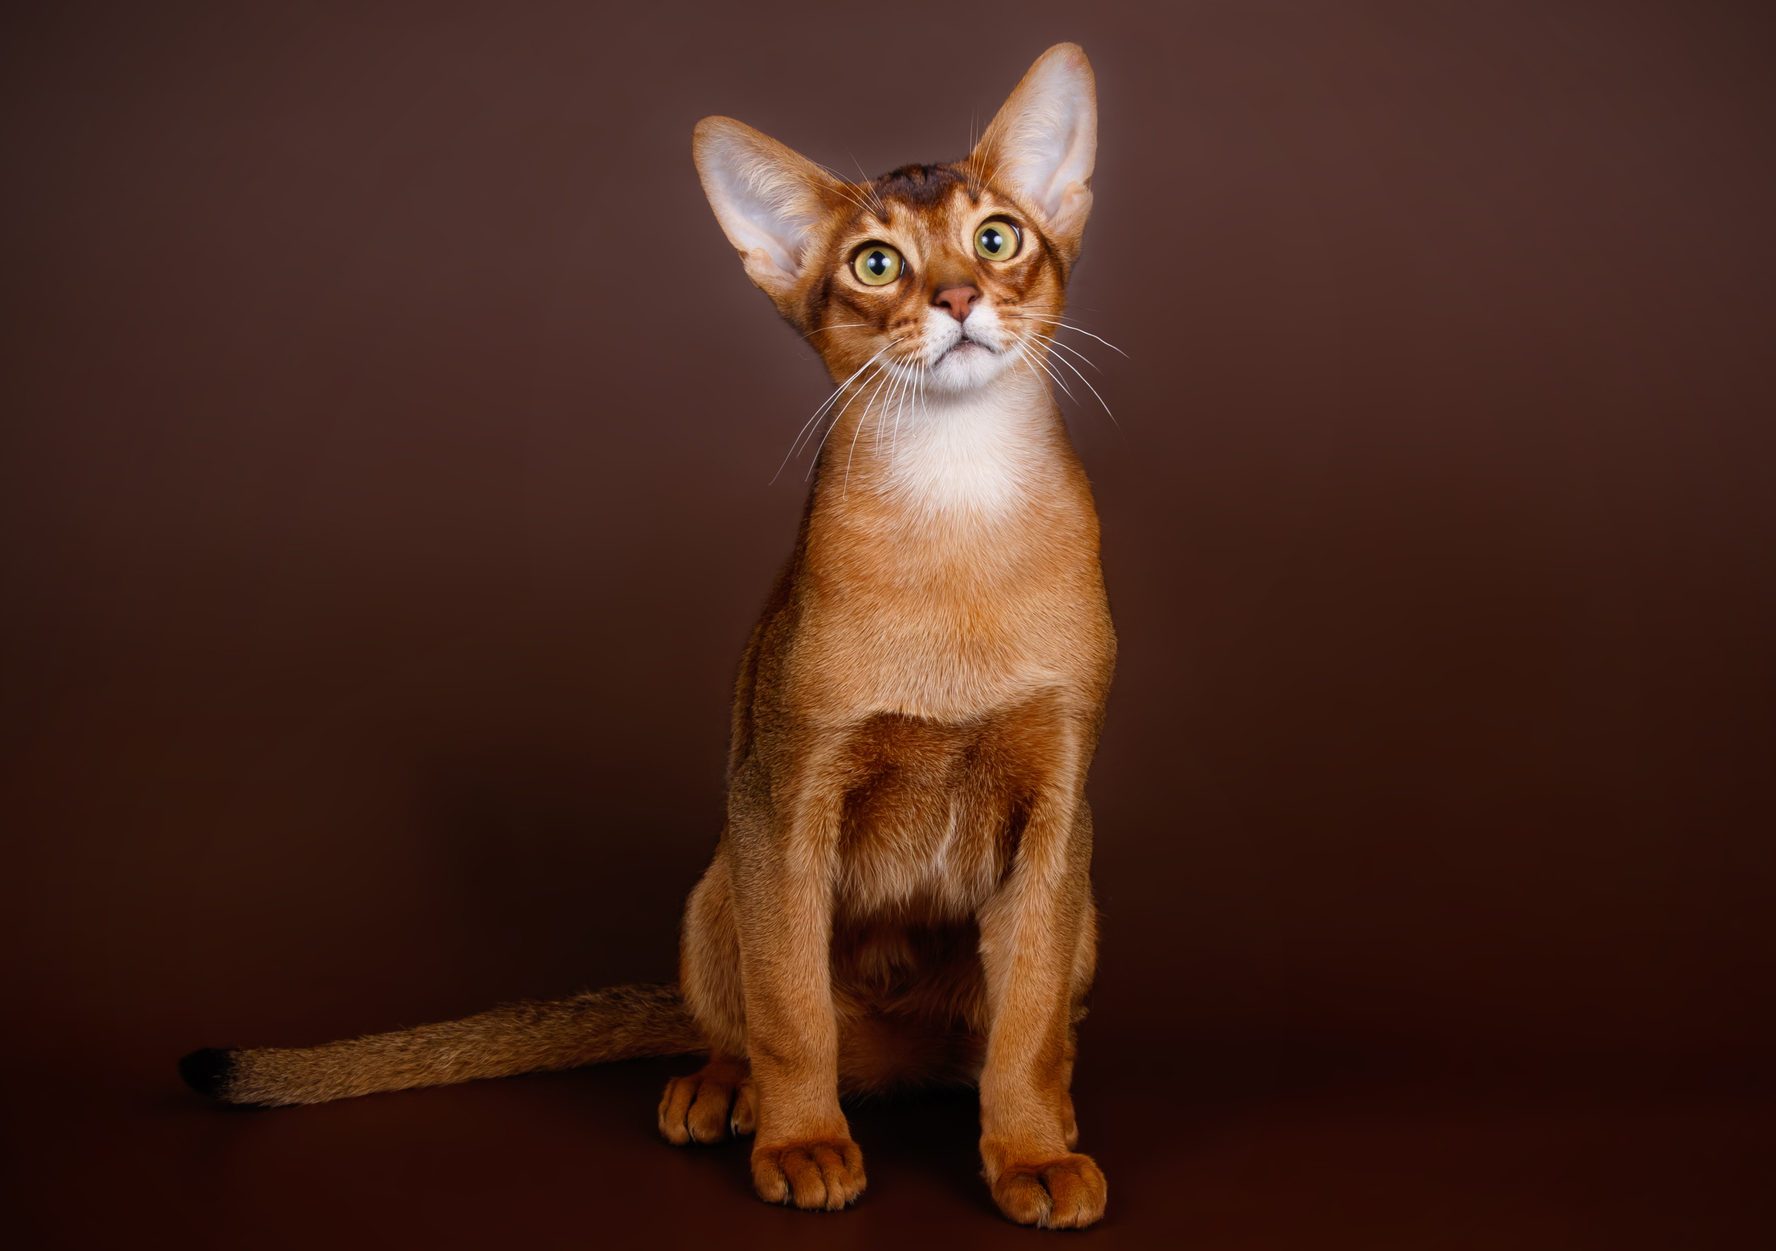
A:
(967, 356)
(964, 346)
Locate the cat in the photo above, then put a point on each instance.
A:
(901, 891)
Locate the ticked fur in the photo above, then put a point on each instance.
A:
(900, 893)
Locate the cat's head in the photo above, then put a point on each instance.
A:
(947, 270)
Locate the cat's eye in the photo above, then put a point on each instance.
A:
(997, 240)
(876, 264)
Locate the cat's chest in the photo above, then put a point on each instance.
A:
(955, 574)
(972, 459)
(931, 811)
(953, 641)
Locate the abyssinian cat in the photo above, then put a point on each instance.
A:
(900, 894)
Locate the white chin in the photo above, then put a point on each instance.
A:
(965, 368)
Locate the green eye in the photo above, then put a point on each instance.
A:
(876, 265)
(997, 240)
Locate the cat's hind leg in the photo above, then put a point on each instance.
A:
(711, 1105)
(717, 1101)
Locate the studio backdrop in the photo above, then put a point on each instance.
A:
(394, 462)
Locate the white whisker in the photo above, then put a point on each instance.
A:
(1022, 357)
(1044, 367)
(845, 188)
(806, 425)
(1056, 343)
(881, 376)
(1070, 365)
(826, 405)
(1067, 325)
(835, 414)
(869, 187)
(869, 409)
(914, 387)
(837, 325)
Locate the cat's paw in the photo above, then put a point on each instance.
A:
(817, 1174)
(709, 1105)
(1066, 1192)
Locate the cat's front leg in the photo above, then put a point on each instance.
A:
(783, 883)
(1037, 941)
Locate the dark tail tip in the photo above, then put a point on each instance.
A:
(207, 1071)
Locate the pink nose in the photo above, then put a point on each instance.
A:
(957, 300)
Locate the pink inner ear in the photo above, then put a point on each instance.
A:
(1042, 145)
(766, 197)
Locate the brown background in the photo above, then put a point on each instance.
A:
(387, 440)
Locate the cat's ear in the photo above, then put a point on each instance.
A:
(768, 198)
(1041, 145)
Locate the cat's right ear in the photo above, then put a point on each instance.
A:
(1043, 142)
(768, 199)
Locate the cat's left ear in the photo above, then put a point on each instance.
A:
(768, 198)
(1043, 142)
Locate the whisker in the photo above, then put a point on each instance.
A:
(869, 187)
(1069, 364)
(881, 376)
(837, 325)
(830, 400)
(826, 404)
(918, 409)
(812, 424)
(846, 188)
(855, 192)
(914, 389)
(894, 443)
(863, 420)
(986, 177)
(1028, 362)
(1067, 325)
(1045, 368)
(1056, 343)
(971, 167)
(852, 195)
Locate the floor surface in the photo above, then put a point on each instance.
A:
(1234, 1151)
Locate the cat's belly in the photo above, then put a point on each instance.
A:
(933, 812)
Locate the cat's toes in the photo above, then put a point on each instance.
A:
(1067, 1192)
(743, 1118)
(817, 1174)
(707, 1106)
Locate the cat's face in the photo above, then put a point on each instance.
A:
(941, 276)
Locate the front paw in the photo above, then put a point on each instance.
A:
(816, 1174)
(1066, 1192)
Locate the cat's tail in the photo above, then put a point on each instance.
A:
(622, 1023)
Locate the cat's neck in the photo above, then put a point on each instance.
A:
(984, 454)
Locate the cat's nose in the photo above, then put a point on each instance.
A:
(957, 301)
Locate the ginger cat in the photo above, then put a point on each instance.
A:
(900, 894)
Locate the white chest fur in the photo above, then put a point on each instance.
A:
(976, 452)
